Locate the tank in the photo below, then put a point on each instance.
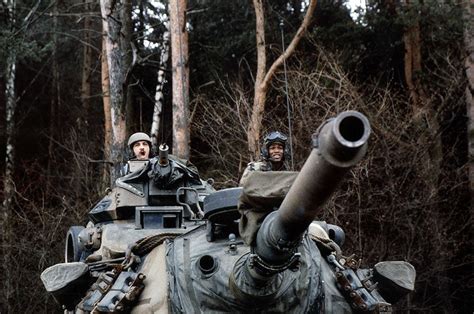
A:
(165, 241)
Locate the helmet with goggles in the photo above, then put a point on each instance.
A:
(272, 138)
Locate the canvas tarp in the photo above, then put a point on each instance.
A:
(263, 192)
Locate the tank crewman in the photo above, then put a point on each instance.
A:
(274, 153)
(274, 158)
(140, 152)
(140, 146)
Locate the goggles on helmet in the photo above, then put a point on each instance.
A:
(275, 136)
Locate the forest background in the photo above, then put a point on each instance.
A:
(407, 65)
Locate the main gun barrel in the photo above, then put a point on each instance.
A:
(340, 143)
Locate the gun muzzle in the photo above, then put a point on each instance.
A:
(163, 155)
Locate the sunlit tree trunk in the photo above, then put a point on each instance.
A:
(107, 116)
(180, 67)
(260, 93)
(164, 56)
(111, 23)
(8, 183)
(263, 78)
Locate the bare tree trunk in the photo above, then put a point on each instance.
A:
(164, 56)
(8, 183)
(55, 96)
(111, 24)
(179, 60)
(142, 21)
(86, 66)
(426, 120)
(126, 46)
(106, 105)
(263, 79)
(260, 89)
(469, 66)
(424, 114)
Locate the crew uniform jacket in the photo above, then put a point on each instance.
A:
(263, 165)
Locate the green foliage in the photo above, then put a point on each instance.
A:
(441, 21)
(222, 37)
(25, 50)
(372, 46)
(21, 35)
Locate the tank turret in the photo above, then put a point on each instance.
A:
(163, 240)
